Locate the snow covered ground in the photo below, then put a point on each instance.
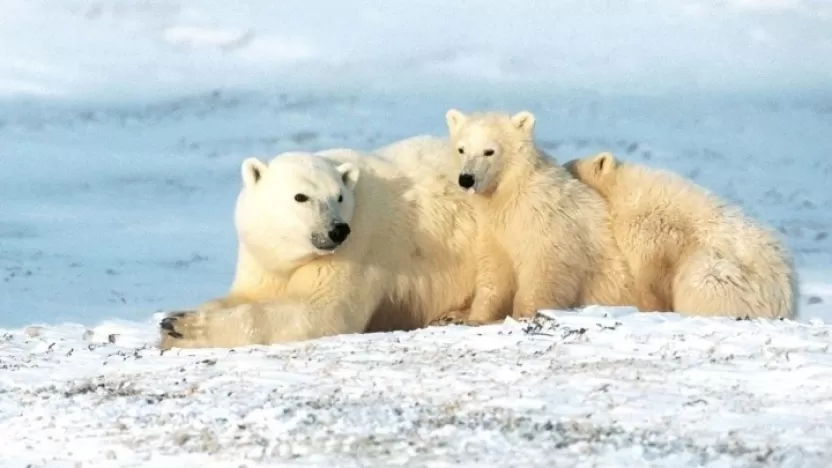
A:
(585, 390)
(122, 127)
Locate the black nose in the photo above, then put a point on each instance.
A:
(339, 232)
(466, 180)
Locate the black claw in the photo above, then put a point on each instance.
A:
(167, 324)
(447, 321)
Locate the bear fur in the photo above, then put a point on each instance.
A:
(689, 251)
(545, 240)
(405, 261)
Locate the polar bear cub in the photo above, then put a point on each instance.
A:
(544, 240)
(690, 252)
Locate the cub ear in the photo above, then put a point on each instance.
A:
(524, 121)
(454, 119)
(604, 163)
(349, 174)
(252, 171)
(571, 167)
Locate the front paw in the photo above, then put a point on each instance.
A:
(457, 317)
(446, 320)
(462, 317)
(182, 329)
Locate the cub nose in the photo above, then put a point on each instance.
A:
(339, 233)
(466, 181)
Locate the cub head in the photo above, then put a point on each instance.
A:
(596, 171)
(483, 142)
(297, 207)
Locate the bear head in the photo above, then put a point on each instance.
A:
(482, 144)
(295, 208)
(596, 171)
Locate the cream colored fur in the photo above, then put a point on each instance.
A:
(690, 252)
(406, 262)
(544, 240)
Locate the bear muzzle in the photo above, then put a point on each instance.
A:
(335, 237)
(339, 233)
(467, 181)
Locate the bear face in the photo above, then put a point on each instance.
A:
(597, 171)
(482, 142)
(297, 207)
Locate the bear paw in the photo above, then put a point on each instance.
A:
(459, 317)
(182, 329)
(447, 320)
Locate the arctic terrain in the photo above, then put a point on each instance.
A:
(122, 128)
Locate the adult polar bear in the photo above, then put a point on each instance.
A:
(339, 242)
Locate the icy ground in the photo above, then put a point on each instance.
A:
(602, 388)
(122, 127)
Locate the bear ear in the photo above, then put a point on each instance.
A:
(454, 119)
(523, 120)
(349, 174)
(571, 167)
(252, 171)
(604, 163)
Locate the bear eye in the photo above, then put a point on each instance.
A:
(300, 198)
(461, 151)
(488, 152)
(340, 198)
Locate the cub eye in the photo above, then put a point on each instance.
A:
(488, 152)
(340, 198)
(300, 198)
(461, 151)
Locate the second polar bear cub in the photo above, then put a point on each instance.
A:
(544, 238)
(690, 252)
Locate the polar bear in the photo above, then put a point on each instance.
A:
(689, 251)
(545, 238)
(337, 242)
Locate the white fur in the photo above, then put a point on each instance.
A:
(277, 228)
(544, 239)
(689, 251)
(407, 260)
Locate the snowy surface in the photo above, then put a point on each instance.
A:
(128, 48)
(604, 387)
(122, 127)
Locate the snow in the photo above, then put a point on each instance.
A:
(115, 49)
(122, 127)
(605, 386)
